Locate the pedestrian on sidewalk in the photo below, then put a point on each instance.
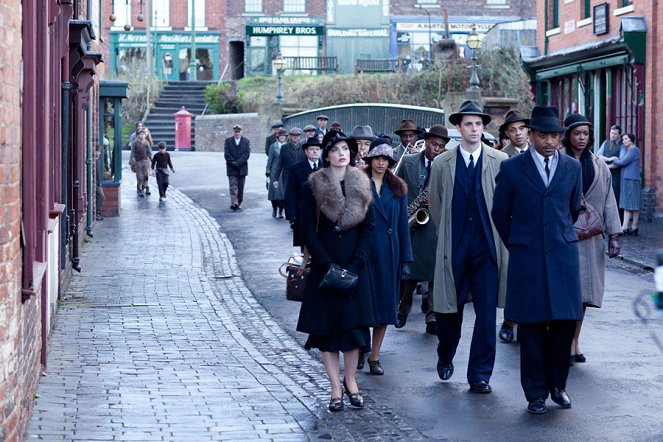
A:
(630, 192)
(391, 250)
(140, 161)
(598, 193)
(536, 201)
(337, 226)
(236, 151)
(276, 194)
(161, 162)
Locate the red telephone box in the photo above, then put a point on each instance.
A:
(183, 129)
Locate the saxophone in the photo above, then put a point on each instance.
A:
(417, 211)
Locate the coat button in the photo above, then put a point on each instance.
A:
(389, 231)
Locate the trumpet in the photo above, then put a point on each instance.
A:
(417, 211)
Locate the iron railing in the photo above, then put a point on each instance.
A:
(318, 64)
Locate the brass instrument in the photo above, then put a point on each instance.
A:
(417, 211)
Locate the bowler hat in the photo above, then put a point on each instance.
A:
(407, 125)
(277, 124)
(332, 137)
(311, 141)
(438, 131)
(511, 117)
(322, 117)
(295, 131)
(575, 120)
(381, 149)
(469, 107)
(545, 119)
(363, 133)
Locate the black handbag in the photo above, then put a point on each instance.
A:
(295, 272)
(339, 281)
(589, 222)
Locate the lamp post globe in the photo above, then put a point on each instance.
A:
(474, 43)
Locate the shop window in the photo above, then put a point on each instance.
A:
(626, 2)
(294, 5)
(199, 14)
(293, 46)
(254, 6)
(161, 13)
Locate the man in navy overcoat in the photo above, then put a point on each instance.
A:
(536, 202)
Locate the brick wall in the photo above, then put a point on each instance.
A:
(19, 322)
(212, 130)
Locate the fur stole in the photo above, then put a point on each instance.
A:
(346, 211)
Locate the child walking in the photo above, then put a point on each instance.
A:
(161, 161)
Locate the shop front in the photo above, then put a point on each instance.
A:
(299, 37)
(171, 54)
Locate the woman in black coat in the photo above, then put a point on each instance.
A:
(390, 247)
(337, 224)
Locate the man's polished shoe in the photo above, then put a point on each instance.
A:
(506, 333)
(400, 321)
(537, 406)
(431, 328)
(561, 398)
(480, 387)
(445, 371)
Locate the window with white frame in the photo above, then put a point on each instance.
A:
(254, 6)
(199, 13)
(161, 13)
(495, 2)
(122, 11)
(294, 5)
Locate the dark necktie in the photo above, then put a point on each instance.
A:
(470, 167)
(547, 167)
(315, 165)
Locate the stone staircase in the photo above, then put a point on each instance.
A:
(160, 120)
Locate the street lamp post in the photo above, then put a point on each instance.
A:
(474, 43)
(279, 64)
(193, 62)
(430, 34)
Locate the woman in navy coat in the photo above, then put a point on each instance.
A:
(337, 225)
(390, 248)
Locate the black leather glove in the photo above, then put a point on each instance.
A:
(613, 246)
(405, 271)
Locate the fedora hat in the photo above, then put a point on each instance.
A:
(363, 133)
(380, 148)
(438, 131)
(334, 136)
(575, 120)
(511, 117)
(469, 107)
(311, 141)
(407, 125)
(545, 119)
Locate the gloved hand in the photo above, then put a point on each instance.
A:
(613, 246)
(267, 174)
(235, 164)
(405, 271)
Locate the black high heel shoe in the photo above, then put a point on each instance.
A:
(336, 404)
(361, 361)
(634, 232)
(356, 399)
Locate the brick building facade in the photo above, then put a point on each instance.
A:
(601, 58)
(48, 65)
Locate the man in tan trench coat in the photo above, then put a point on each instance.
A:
(471, 259)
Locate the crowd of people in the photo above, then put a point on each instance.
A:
(495, 226)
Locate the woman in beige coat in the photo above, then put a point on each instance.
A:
(598, 193)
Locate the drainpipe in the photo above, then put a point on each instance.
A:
(64, 129)
(76, 188)
(88, 167)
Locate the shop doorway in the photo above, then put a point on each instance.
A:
(236, 60)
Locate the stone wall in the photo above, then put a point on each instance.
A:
(212, 130)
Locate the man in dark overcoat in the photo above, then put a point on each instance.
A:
(515, 128)
(236, 151)
(415, 171)
(299, 173)
(537, 200)
(290, 153)
(271, 138)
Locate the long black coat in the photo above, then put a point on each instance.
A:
(238, 153)
(299, 173)
(535, 223)
(289, 155)
(321, 313)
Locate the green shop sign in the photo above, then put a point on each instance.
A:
(267, 29)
